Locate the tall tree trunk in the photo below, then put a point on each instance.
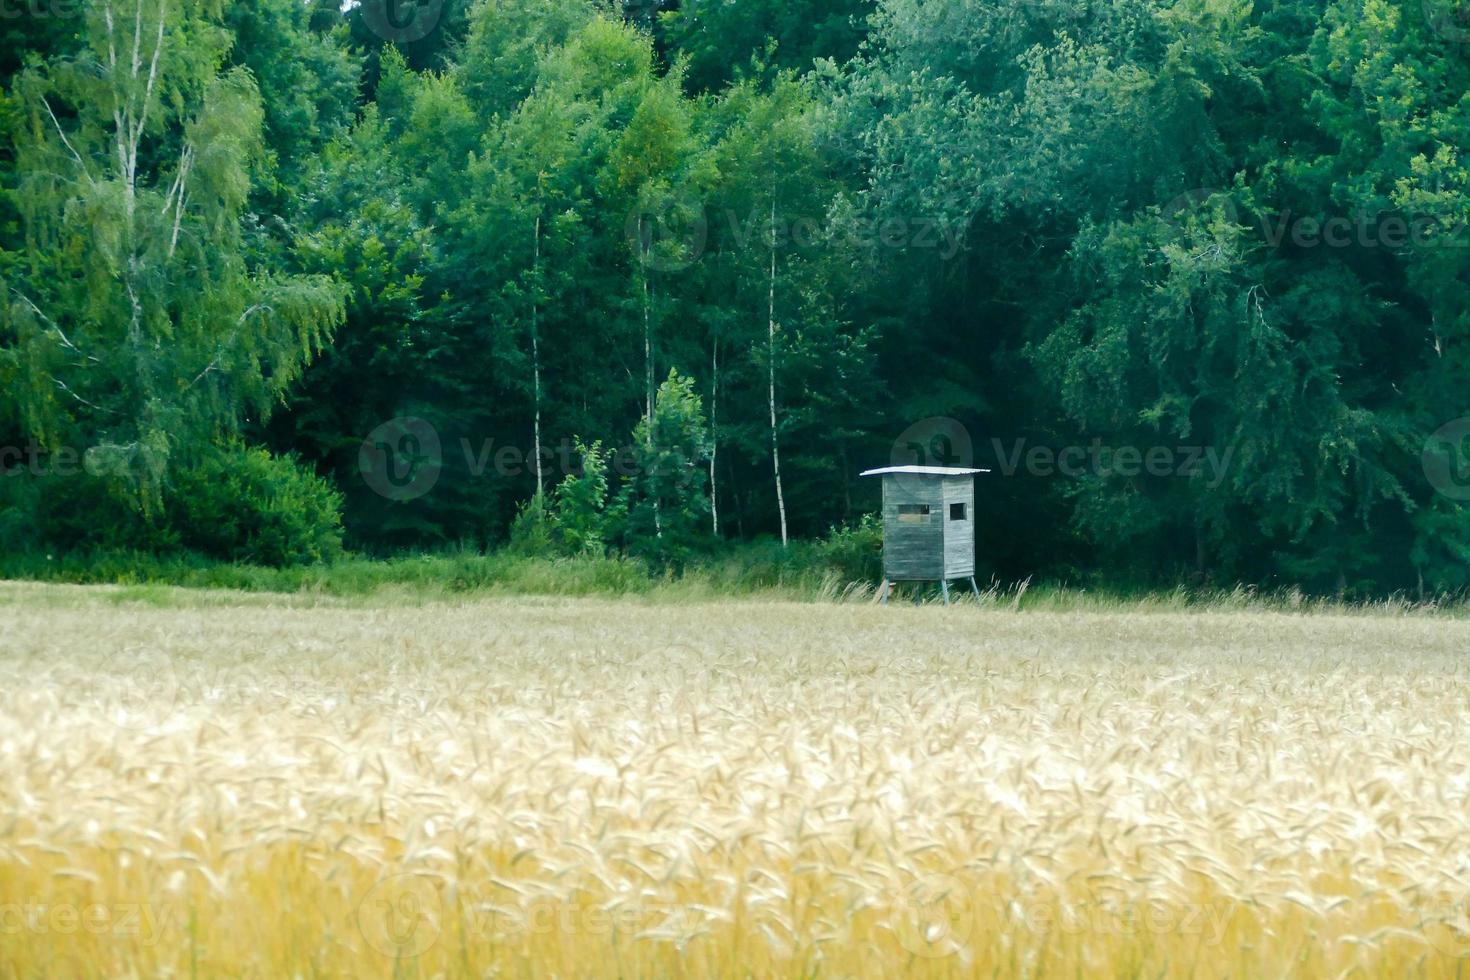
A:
(536, 358)
(714, 439)
(771, 375)
(130, 123)
(658, 524)
(647, 324)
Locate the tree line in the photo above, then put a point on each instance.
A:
(1191, 278)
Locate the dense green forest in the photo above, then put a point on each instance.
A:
(1191, 277)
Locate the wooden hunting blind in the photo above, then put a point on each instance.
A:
(928, 525)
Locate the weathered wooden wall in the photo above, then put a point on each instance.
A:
(959, 536)
(912, 551)
(936, 547)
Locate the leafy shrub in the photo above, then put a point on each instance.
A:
(666, 499)
(531, 529)
(855, 552)
(70, 508)
(581, 504)
(242, 504)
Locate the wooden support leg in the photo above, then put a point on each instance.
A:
(944, 589)
(974, 588)
(883, 591)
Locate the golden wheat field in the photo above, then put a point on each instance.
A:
(215, 785)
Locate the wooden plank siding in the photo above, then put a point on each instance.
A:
(934, 547)
(913, 550)
(959, 536)
(928, 522)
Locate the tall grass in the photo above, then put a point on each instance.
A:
(834, 570)
(801, 571)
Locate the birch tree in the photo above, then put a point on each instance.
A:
(771, 376)
(767, 159)
(138, 329)
(526, 215)
(659, 164)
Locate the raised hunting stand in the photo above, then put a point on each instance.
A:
(928, 526)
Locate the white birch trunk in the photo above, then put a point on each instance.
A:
(536, 358)
(771, 375)
(714, 442)
(658, 525)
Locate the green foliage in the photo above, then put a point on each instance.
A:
(133, 323)
(228, 502)
(666, 497)
(532, 532)
(240, 503)
(1061, 225)
(498, 65)
(1133, 186)
(582, 513)
(720, 39)
(854, 552)
(307, 78)
(67, 504)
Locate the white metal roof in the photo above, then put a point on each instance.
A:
(925, 470)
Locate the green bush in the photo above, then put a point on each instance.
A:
(240, 503)
(531, 530)
(855, 552)
(665, 502)
(74, 509)
(581, 504)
